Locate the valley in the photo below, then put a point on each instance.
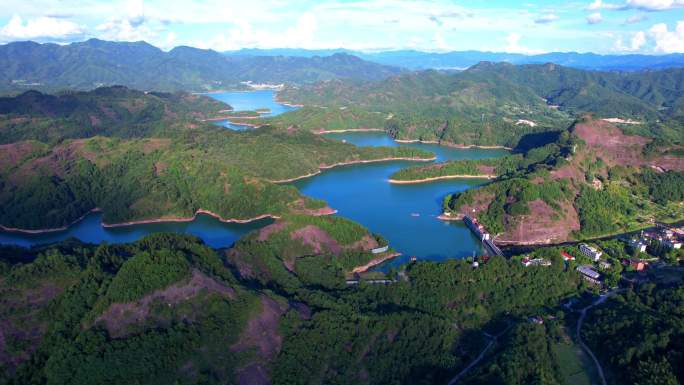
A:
(188, 216)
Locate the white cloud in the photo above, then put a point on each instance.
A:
(668, 41)
(598, 4)
(644, 5)
(636, 43)
(654, 5)
(594, 18)
(513, 45)
(244, 35)
(546, 18)
(41, 28)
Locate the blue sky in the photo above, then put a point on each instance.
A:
(608, 26)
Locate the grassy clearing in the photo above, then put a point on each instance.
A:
(575, 367)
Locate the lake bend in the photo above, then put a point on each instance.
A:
(406, 215)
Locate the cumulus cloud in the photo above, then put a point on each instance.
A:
(594, 18)
(41, 28)
(654, 5)
(599, 4)
(244, 35)
(644, 5)
(513, 45)
(667, 41)
(134, 24)
(546, 18)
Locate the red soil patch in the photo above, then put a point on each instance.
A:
(55, 163)
(480, 203)
(119, 316)
(611, 144)
(94, 120)
(11, 154)
(261, 334)
(317, 239)
(265, 232)
(487, 170)
(154, 144)
(569, 171)
(540, 227)
(20, 323)
(668, 162)
(366, 243)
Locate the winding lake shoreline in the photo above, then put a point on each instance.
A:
(352, 162)
(143, 221)
(453, 145)
(443, 177)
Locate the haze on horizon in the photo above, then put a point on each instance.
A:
(528, 27)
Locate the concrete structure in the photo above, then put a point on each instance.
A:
(590, 252)
(589, 274)
(379, 250)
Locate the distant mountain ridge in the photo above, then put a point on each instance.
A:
(94, 63)
(493, 103)
(412, 59)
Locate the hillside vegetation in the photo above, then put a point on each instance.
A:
(167, 309)
(96, 63)
(160, 161)
(593, 181)
(499, 103)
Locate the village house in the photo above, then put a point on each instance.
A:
(535, 262)
(636, 264)
(589, 274)
(638, 245)
(590, 252)
(567, 257)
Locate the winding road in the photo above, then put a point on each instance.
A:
(480, 356)
(580, 320)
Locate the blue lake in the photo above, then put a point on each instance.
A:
(406, 215)
(212, 231)
(250, 101)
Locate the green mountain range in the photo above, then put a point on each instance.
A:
(95, 63)
(418, 60)
(495, 103)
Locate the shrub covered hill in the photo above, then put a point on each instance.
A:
(594, 180)
(96, 63)
(275, 309)
(493, 103)
(272, 309)
(141, 156)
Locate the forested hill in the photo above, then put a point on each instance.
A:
(141, 156)
(94, 63)
(109, 111)
(495, 103)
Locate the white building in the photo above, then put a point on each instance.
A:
(590, 252)
(638, 245)
(672, 243)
